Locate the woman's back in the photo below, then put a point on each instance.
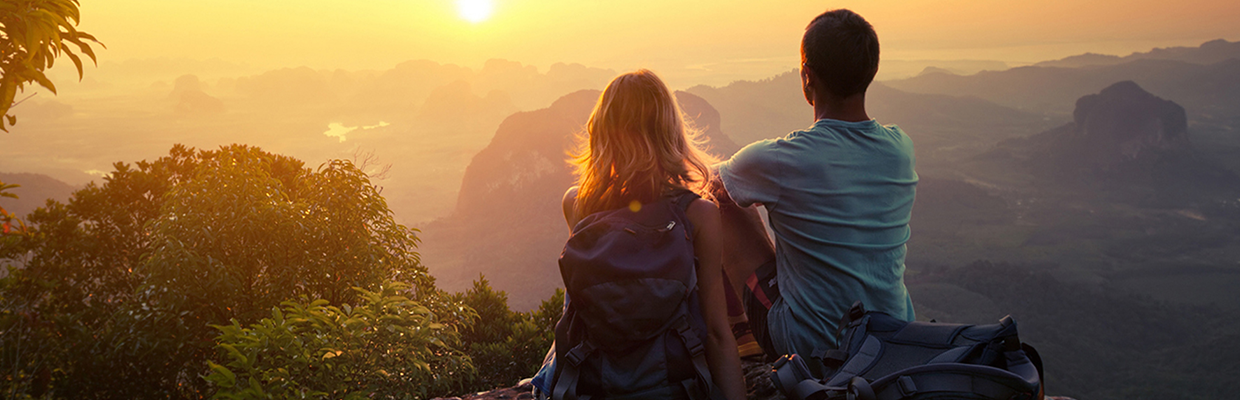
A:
(638, 149)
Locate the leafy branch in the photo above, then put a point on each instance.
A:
(33, 33)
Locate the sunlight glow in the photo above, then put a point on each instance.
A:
(474, 11)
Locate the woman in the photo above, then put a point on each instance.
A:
(638, 150)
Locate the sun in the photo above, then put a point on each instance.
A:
(474, 11)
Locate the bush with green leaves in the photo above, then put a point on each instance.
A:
(507, 346)
(387, 347)
(116, 289)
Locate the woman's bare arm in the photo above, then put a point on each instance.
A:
(721, 353)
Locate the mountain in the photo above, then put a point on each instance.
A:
(1122, 123)
(508, 223)
(1211, 52)
(1207, 90)
(35, 190)
(189, 98)
(1124, 139)
(455, 104)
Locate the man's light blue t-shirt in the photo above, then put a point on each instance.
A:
(839, 196)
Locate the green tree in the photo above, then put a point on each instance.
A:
(33, 33)
(127, 277)
(494, 318)
(506, 346)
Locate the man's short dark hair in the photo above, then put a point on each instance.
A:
(841, 49)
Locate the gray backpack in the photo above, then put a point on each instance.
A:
(885, 358)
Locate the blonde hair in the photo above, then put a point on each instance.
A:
(637, 146)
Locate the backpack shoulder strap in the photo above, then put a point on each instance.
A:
(565, 387)
(703, 387)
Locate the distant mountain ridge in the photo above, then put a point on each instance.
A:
(1208, 53)
(1206, 89)
(34, 192)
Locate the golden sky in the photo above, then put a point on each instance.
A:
(661, 34)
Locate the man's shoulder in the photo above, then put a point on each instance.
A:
(765, 150)
(894, 129)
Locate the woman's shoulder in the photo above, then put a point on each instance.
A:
(702, 211)
(569, 204)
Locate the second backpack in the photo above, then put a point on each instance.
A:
(884, 358)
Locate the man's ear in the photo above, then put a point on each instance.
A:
(807, 84)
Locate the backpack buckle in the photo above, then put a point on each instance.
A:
(834, 359)
(579, 353)
(856, 311)
(859, 389)
(906, 385)
(692, 342)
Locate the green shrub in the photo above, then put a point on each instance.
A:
(388, 347)
(507, 346)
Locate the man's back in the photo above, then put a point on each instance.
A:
(839, 197)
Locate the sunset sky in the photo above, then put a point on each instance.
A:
(681, 38)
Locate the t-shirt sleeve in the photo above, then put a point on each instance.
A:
(752, 174)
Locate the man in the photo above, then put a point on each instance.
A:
(839, 196)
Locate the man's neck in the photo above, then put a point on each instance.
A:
(848, 109)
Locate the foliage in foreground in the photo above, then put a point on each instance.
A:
(33, 33)
(173, 280)
(112, 295)
(507, 346)
(387, 347)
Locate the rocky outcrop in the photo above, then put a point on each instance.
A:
(188, 98)
(1122, 129)
(1124, 122)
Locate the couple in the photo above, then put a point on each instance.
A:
(839, 196)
